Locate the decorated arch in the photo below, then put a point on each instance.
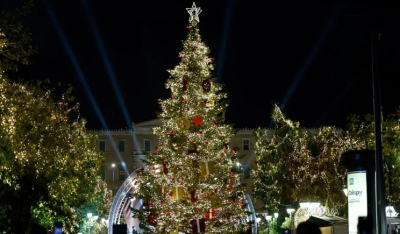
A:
(123, 202)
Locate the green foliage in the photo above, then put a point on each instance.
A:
(15, 41)
(295, 164)
(184, 146)
(50, 168)
(361, 130)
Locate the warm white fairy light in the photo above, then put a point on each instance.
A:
(194, 13)
(182, 150)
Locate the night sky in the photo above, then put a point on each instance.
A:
(311, 57)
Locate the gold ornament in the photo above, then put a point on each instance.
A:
(183, 123)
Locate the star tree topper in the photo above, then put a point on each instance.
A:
(194, 13)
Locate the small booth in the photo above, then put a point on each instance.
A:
(330, 224)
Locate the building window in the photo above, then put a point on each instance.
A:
(103, 174)
(121, 145)
(102, 145)
(246, 172)
(147, 144)
(246, 143)
(121, 174)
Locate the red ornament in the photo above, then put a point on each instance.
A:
(183, 100)
(206, 142)
(197, 121)
(159, 102)
(221, 159)
(215, 124)
(172, 132)
(190, 29)
(184, 63)
(196, 47)
(201, 133)
(187, 140)
(165, 169)
(151, 219)
(179, 55)
(188, 109)
(185, 81)
(211, 61)
(234, 151)
(193, 198)
(231, 184)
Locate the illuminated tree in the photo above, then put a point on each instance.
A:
(361, 131)
(15, 40)
(296, 164)
(49, 167)
(192, 183)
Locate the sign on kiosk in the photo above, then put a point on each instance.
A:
(356, 198)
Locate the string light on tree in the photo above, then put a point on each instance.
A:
(198, 192)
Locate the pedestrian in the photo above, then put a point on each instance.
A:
(308, 228)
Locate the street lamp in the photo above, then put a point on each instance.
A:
(113, 167)
(390, 211)
(89, 215)
(94, 226)
(309, 206)
(258, 224)
(276, 221)
(290, 212)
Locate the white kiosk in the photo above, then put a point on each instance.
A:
(361, 196)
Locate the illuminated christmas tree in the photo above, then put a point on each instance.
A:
(192, 184)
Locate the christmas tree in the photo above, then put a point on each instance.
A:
(192, 184)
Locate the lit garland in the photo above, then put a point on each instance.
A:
(194, 170)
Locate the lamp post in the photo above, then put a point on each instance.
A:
(95, 221)
(268, 218)
(89, 215)
(258, 224)
(276, 221)
(113, 167)
(290, 212)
